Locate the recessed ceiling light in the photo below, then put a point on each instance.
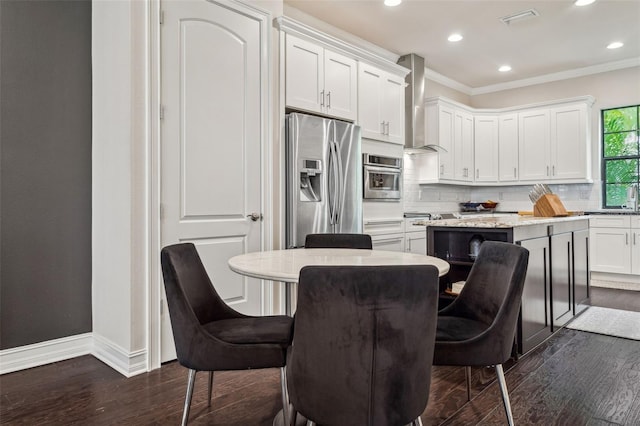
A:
(455, 37)
(504, 68)
(615, 45)
(583, 2)
(392, 2)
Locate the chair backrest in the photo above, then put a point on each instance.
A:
(191, 297)
(492, 293)
(363, 343)
(354, 241)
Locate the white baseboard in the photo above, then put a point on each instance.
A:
(28, 356)
(617, 281)
(126, 363)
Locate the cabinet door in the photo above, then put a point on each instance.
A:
(463, 146)
(445, 140)
(393, 108)
(569, 142)
(581, 287)
(304, 67)
(416, 242)
(533, 135)
(370, 101)
(561, 279)
(486, 148)
(535, 320)
(508, 148)
(635, 251)
(389, 242)
(610, 250)
(340, 85)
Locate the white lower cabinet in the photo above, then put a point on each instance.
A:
(415, 242)
(388, 242)
(615, 244)
(386, 234)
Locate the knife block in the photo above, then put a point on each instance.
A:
(549, 205)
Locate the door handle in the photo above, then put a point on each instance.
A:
(322, 98)
(328, 99)
(255, 216)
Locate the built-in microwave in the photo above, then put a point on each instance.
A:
(382, 177)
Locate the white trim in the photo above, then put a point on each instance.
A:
(291, 26)
(563, 75)
(587, 99)
(126, 363)
(41, 353)
(547, 78)
(446, 81)
(152, 221)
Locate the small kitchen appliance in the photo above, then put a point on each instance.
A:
(324, 177)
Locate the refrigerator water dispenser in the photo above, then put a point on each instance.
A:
(311, 181)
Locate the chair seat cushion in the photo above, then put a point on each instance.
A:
(455, 329)
(276, 329)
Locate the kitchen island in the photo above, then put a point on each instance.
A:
(557, 283)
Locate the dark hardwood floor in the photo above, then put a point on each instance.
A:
(574, 378)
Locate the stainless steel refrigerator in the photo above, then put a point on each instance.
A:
(324, 177)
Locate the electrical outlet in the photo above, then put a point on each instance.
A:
(584, 194)
(500, 196)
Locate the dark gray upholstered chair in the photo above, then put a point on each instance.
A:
(363, 344)
(479, 327)
(354, 241)
(211, 336)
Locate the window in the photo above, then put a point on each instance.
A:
(620, 154)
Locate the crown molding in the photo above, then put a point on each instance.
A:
(446, 81)
(299, 29)
(558, 76)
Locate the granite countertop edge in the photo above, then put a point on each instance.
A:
(503, 222)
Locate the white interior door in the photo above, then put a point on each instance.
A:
(212, 91)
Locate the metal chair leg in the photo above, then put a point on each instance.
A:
(505, 394)
(467, 375)
(210, 386)
(418, 421)
(285, 395)
(187, 399)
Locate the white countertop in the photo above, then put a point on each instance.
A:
(285, 265)
(502, 221)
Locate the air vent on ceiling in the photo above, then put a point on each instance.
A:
(525, 14)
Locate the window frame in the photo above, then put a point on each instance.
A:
(604, 159)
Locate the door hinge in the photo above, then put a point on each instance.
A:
(161, 112)
(161, 307)
(161, 211)
(161, 17)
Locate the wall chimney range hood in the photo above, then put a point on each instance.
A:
(414, 117)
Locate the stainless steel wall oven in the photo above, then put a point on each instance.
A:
(382, 177)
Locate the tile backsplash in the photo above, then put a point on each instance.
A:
(439, 198)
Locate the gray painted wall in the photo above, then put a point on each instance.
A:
(45, 170)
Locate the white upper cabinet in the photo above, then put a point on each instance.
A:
(439, 125)
(507, 148)
(320, 80)
(452, 129)
(380, 104)
(547, 142)
(463, 146)
(554, 144)
(569, 154)
(486, 148)
(534, 149)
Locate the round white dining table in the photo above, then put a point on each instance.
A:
(285, 265)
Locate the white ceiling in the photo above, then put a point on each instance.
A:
(562, 38)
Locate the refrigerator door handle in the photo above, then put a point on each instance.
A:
(339, 181)
(333, 176)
